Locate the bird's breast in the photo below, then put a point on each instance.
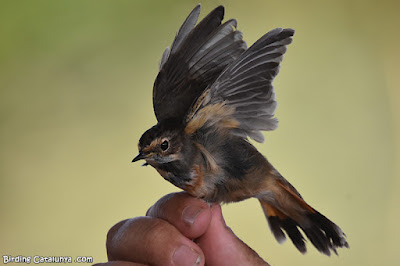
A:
(203, 182)
(174, 173)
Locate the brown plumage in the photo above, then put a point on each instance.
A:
(210, 95)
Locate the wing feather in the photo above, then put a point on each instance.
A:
(185, 29)
(197, 57)
(245, 87)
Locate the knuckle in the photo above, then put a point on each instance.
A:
(113, 230)
(158, 231)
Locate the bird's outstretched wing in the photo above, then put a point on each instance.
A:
(242, 98)
(197, 57)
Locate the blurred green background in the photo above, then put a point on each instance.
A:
(75, 96)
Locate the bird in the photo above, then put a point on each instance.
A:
(213, 94)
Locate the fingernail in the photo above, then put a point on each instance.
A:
(190, 213)
(185, 255)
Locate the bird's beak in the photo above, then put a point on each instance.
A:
(138, 157)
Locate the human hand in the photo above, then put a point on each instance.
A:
(178, 230)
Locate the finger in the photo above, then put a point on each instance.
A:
(191, 216)
(222, 247)
(151, 241)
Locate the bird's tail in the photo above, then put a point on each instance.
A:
(285, 209)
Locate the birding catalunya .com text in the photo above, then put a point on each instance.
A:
(45, 259)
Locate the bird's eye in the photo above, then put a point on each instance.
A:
(164, 145)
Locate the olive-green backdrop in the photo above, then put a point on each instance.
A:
(75, 96)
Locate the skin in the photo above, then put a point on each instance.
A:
(164, 236)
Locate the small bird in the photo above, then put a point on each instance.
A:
(211, 94)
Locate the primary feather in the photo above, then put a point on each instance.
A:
(197, 57)
(246, 86)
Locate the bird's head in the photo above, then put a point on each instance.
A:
(161, 144)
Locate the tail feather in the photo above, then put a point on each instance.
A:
(286, 210)
(278, 221)
(291, 228)
(324, 233)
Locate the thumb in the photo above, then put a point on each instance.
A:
(222, 247)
